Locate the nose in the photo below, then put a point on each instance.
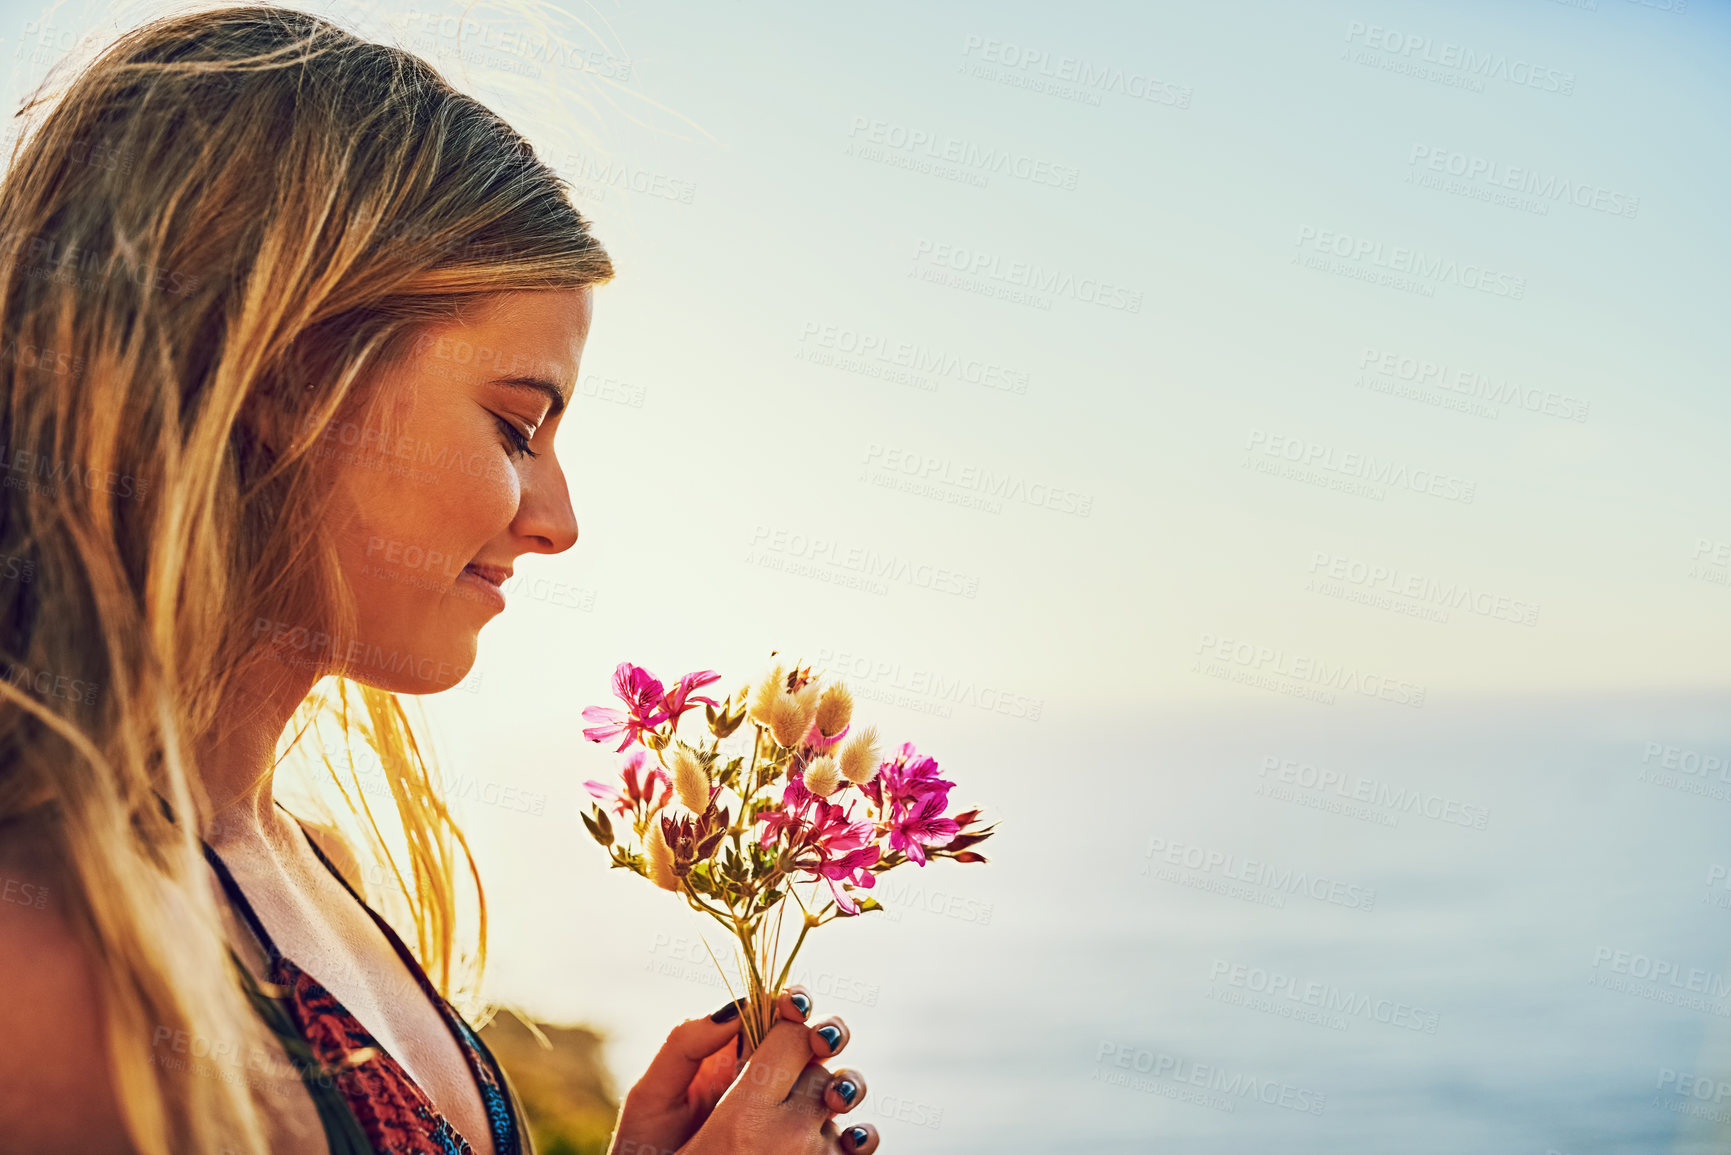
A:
(545, 518)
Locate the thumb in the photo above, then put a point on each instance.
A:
(777, 1064)
(675, 1065)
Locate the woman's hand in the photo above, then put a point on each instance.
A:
(783, 1102)
(689, 1077)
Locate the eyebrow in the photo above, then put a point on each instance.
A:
(555, 395)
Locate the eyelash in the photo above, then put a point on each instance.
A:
(519, 443)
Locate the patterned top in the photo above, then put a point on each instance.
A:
(391, 1110)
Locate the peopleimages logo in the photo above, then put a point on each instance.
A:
(1703, 1087)
(532, 46)
(1694, 980)
(1326, 998)
(1089, 79)
(809, 555)
(593, 173)
(986, 268)
(868, 346)
(1522, 179)
(945, 471)
(1374, 579)
(1358, 467)
(1221, 864)
(1471, 383)
(868, 133)
(865, 673)
(1305, 669)
(1398, 799)
(1425, 269)
(1686, 760)
(1232, 1087)
(1467, 62)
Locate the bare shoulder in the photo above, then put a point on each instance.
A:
(55, 1093)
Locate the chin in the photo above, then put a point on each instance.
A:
(413, 666)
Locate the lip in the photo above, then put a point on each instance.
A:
(497, 574)
(485, 580)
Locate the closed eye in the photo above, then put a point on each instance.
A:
(519, 443)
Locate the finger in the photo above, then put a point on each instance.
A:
(713, 1078)
(776, 1065)
(810, 1093)
(845, 1090)
(829, 1037)
(688, 1045)
(860, 1139)
(794, 1004)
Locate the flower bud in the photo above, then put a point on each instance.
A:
(724, 723)
(834, 710)
(791, 714)
(690, 780)
(767, 692)
(660, 857)
(821, 777)
(859, 758)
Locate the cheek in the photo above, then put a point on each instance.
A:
(415, 524)
(473, 500)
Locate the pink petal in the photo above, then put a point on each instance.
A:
(842, 901)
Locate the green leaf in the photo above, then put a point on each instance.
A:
(866, 904)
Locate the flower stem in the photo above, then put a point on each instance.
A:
(805, 925)
(757, 995)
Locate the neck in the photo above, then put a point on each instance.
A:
(237, 759)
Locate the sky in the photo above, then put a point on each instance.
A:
(1102, 388)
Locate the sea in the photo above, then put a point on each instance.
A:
(1501, 925)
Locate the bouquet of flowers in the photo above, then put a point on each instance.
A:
(736, 836)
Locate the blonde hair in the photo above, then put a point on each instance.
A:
(223, 227)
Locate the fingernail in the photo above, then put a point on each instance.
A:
(858, 1135)
(831, 1035)
(847, 1089)
(803, 1002)
(726, 1014)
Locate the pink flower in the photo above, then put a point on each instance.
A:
(645, 703)
(904, 783)
(854, 868)
(788, 820)
(826, 841)
(834, 832)
(651, 788)
(921, 827)
(817, 743)
(840, 850)
(679, 699)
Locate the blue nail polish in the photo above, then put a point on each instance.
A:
(847, 1089)
(802, 1002)
(857, 1136)
(830, 1034)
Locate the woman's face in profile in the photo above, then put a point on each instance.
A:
(434, 509)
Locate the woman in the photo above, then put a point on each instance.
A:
(289, 326)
